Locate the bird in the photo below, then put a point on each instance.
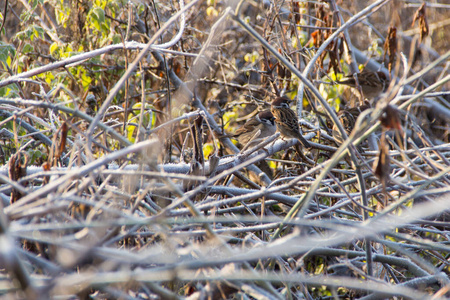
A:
(372, 83)
(286, 120)
(264, 122)
(348, 118)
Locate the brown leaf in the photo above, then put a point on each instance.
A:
(198, 161)
(176, 66)
(390, 47)
(320, 15)
(390, 119)
(62, 142)
(272, 63)
(16, 171)
(318, 36)
(335, 54)
(296, 11)
(46, 167)
(281, 71)
(315, 35)
(198, 140)
(382, 168)
(420, 15)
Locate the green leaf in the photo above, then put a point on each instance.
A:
(98, 17)
(27, 49)
(134, 117)
(49, 77)
(99, 13)
(85, 80)
(116, 39)
(7, 51)
(38, 31)
(9, 91)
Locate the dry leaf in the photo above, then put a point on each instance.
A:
(390, 119)
(16, 171)
(422, 18)
(390, 47)
(382, 168)
(62, 142)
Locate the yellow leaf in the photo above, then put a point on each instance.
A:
(53, 47)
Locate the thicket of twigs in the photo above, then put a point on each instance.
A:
(120, 179)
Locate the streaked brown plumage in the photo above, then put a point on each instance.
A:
(372, 83)
(348, 119)
(264, 122)
(286, 120)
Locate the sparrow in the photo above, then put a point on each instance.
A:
(372, 83)
(264, 122)
(348, 118)
(286, 120)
